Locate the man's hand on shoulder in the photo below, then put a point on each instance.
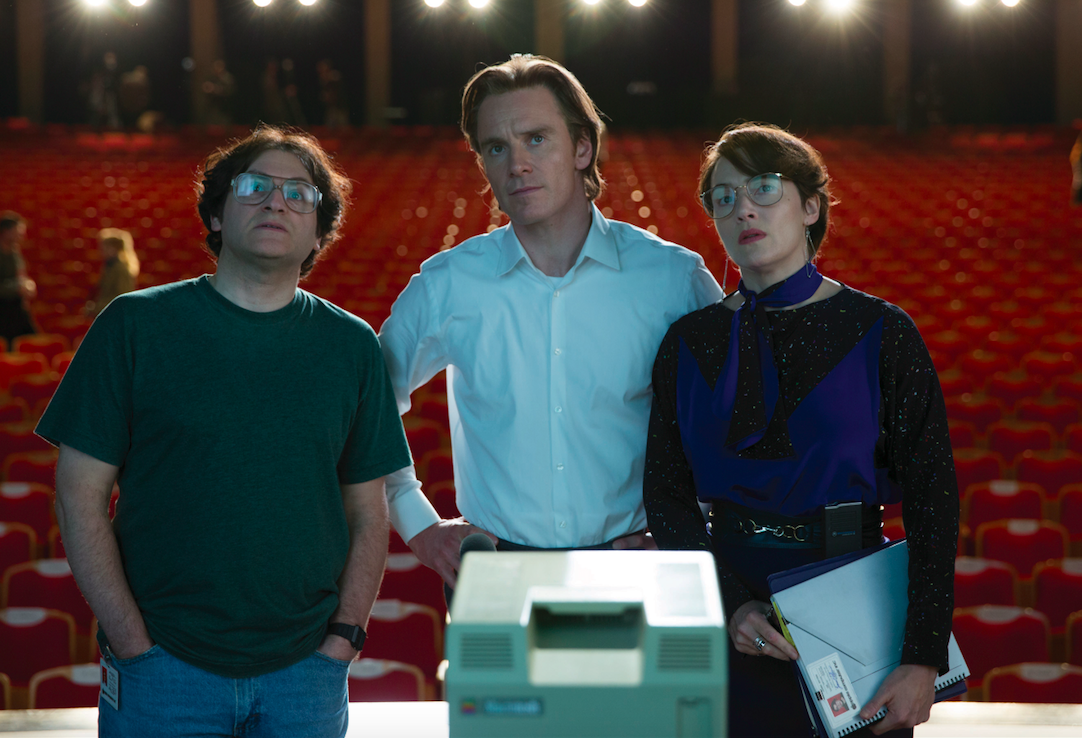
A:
(437, 546)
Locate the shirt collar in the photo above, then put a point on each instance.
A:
(600, 246)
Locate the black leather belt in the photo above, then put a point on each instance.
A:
(741, 525)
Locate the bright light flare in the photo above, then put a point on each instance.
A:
(637, 3)
(839, 6)
(94, 3)
(591, 2)
(1010, 3)
(797, 3)
(967, 3)
(138, 3)
(262, 3)
(308, 2)
(478, 3)
(433, 3)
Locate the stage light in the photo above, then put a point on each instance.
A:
(591, 2)
(308, 2)
(1010, 3)
(798, 3)
(478, 3)
(839, 6)
(262, 3)
(968, 2)
(94, 3)
(637, 3)
(433, 3)
(138, 3)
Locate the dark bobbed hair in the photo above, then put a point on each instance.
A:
(755, 148)
(523, 71)
(217, 173)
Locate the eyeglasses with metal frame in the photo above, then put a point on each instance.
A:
(250, 188)
(763, 189)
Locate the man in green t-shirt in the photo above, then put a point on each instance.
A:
(249, 425)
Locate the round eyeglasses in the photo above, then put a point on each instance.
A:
(763, 189)
(253, 189)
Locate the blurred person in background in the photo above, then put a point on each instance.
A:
(15, 287)
(335, 111)
(120, 268)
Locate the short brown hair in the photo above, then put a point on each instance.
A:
(755, 148)
(523, 71)
(226, 163)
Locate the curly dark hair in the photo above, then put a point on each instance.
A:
(523, 71)
(216, 176)
(754, 148)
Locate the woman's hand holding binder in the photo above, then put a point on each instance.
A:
(908, 693)
(753, 620)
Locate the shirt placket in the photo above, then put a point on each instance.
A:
(561, 507)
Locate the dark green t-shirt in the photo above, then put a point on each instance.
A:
(232, 431)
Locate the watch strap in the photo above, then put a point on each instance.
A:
(353, 633)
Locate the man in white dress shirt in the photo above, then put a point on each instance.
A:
(548, 329)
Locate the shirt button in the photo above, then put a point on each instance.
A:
(563, 523)
(559, 467)
(556, 293)
(559, 409)
(558, 352)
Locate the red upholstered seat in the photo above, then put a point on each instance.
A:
(1072, 438)
(38, 467)
(46, 344)
(46, 583)
(18, 544)
(1034, 682)
(1057, 412)
(407, 579)
(17, 365)
(33, 639)
(1069, 386)
(972, 465)
(1049, 365)
(435, 467)
(65, 686)
(1021, 543)
(408, 632)
(27, 503)
(1008, 438)
(1001, 499)
(963, 434)
(17, 438)
(1067, 511)
(980, 411)
(1050, 469)
(995, 635)
(1074, 638)
(425, 436)
(382, 680)
(983, 582)
(1012, 386)
(1057, 588)
(35, 390)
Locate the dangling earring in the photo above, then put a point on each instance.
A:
(725, 278)
(808, 252)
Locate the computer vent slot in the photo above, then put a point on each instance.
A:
(684, 653)
(484, 651)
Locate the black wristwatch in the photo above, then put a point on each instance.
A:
(353, 633)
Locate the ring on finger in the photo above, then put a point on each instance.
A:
(760, 644)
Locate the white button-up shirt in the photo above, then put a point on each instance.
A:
(548, 378)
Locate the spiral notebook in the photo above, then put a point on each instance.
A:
(846, 617)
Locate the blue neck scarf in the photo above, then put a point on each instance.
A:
(754, 397)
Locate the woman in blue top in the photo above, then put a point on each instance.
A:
(792, 394)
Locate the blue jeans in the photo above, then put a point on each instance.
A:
(160, 695)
